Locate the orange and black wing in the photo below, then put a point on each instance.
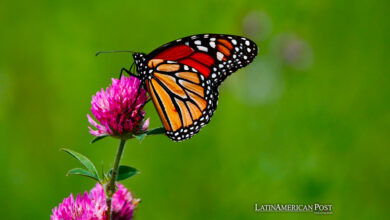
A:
(183, 99)
(183, 77)
(215, 56)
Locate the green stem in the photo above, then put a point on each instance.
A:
(110, 187)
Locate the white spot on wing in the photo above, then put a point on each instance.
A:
(202, 48)
(219, 56)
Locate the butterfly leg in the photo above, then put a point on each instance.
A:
(143, 105)
(145, 102)
(128, 72)
(138, 92)
(136, 98)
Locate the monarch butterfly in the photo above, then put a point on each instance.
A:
(182, 77)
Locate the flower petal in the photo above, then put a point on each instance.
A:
(118, 108)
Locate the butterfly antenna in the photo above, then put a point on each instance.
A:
(115, 51)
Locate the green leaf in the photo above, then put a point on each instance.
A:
(140, 137)
(125, 172)
(153, 131)
(98, 138)
(81, 172)
(156, 131)
(85, 161)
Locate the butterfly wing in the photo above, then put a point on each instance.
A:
(184, 75)
(184, 99)
(216, 56)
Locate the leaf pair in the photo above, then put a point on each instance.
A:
(124, 172)
(91, 169)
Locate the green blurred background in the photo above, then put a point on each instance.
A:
(307, 122)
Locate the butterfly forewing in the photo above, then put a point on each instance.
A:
(215, 56)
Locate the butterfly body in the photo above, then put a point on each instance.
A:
(183, 76)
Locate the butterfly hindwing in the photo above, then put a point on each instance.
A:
(184, 99)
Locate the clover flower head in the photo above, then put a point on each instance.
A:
(92, 206)
(118, 109)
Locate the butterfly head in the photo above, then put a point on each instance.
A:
(140, 63)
